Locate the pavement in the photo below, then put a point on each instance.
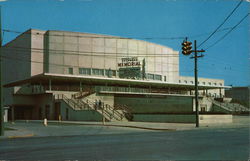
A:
(36, 128)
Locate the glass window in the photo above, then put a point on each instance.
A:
(203, 83)
(215, 84)
(113, 72)
(192, 82)
(165, 78)
(85, 71)
(70, 70)
(150, 76)
(179, 81)
(185, 81)
(220, 84)
(157, 77)
(98, 71)
(108, 72)
(209, 83)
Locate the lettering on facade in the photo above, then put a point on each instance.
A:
(129, 62)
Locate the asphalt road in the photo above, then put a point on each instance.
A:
(199, 144)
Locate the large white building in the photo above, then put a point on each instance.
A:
(59, 74)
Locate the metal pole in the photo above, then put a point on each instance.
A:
(1, 80)
(196, 84)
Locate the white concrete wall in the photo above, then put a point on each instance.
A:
(74, 50)
(205, 82)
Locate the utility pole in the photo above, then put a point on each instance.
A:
(1, 80)
(186, 50)
(196, 85)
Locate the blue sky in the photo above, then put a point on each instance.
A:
(229, 59)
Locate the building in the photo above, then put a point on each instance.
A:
(82, 76)
(239, 95)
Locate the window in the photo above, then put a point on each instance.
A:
(203, 83)
(157, 77)
(98, 71)
(114, 73)
(185, 81)
(150, 76)
(165, 78)
(85, 71)
(179, 81)
(70, 70)
(110, 73)
(220, 84)
(215, 84)
(209, 83)
(192, 82)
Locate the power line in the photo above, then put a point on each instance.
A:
(88, 53)
(228, 32)
(63, 65)
(27, 55)
(109, 37)
(93, 35)
(221, 24)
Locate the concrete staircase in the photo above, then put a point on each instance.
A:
(110, 113)
(228, 107)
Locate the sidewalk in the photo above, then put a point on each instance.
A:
(35, 128)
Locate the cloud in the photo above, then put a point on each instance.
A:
(2, 0)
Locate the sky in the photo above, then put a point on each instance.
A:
(164, 22)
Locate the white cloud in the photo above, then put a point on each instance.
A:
(2, 0)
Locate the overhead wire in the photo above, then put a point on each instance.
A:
(63, 65)
(92, 35)
(234, 27)
(87, 53)
(230, 14)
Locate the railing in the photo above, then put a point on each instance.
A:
(75, 104)
(233, 107)
(109, 112)
(82, 94)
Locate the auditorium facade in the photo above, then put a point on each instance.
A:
(62, 75)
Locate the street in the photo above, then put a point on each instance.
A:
(198, 144)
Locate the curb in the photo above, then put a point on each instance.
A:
(128, 126)
(21, 136)
(100, 124)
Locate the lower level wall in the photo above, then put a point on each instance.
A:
(188, 118)
(156, 104)
(67, 113)
(215, 119)
(171, 118)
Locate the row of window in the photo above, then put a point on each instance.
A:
(110, 73)
(155, 77)
(89, 71)
(203, 83)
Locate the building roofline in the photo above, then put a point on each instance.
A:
(101, 80)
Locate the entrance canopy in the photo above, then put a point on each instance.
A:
(45, 78)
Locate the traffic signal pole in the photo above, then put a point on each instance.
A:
(196, 85)
(1, 80)
(187, 50)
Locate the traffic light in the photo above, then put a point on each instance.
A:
(186, 48)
